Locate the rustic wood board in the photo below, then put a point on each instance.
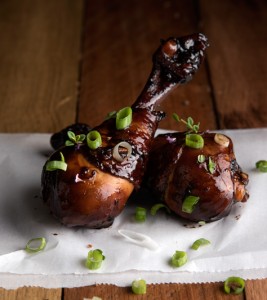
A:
(154, 292)
(117, 59)
(31, 293)
(39, 58)
(237, 60)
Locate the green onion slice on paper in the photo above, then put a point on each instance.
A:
(35, 245)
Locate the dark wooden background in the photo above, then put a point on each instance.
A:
(63, 61)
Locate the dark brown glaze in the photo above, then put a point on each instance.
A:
(95, 199)
(173, 173)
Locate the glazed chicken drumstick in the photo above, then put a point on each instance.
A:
(96, 184)
(197, 184)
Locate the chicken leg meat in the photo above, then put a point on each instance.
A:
(95, 187)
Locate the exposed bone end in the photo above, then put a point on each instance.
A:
(169, 48)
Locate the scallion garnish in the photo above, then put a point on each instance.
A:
(74, 139)
(94, 139)
(189, 204)
(194, 140)
(178, 259)
(261, 165)
(124, 118)
(140, 214)
(211, 165)
(54, 165)
(36, 245)
(201, 158)
(156, 207)
(139, 287)
(234, 285)
(200, 242)
(191, 127)
(111, 115)
(94, 259)
(122, 151)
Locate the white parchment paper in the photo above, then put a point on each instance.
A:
(238, 242)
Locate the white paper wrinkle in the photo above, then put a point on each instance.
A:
(238, 243)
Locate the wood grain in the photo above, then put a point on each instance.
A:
(212, 291)
(237, 59)
(117, 58)
(256, 289)
(39, 58)
(30, 293)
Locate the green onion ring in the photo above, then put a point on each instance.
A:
(140, 214)
(31, 248)
(93, 139)
(201, 158)
(178, 259)
(54, 165)
(139, 287)
(195, 141)
(156, 207)
(124, 118)
(261, 165)
(94, 259)
(234, 285)
(189, 204)
(116, 151)
(200, 242)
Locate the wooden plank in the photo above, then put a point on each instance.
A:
(30, 293)
(39, 58)
(256, 289)
(117, 58)
(212, 291)
(237, 58)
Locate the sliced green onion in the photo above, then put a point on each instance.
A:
(201, 158)
(140, 214)
(94, 259)
(189, 204)
(35, 245)
(139, 287)
(194, 140)
(111, 115)
(156, 207)
(123, 118)
(211, 166)
(54, 165)
(94, 139)
(200, 242)
(234, 285)
(261, 165)
(120, 157)
(201, 223)
(62, 158)
(178, 259)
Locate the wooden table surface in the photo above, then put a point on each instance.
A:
(64, 61)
